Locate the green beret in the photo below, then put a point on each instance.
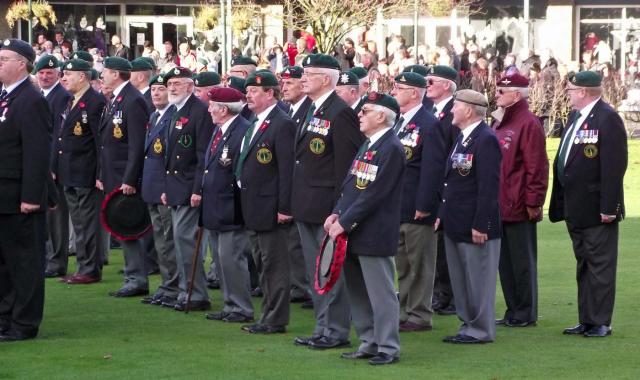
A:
(292, 72)
(443, 71)
(323, 61)
(178, 72)
(243, 60)
(383, 100)
(140, 64)
(422, 70)
(158, 80)
(206, 79)
(151, 62)
(411, 79)
(76, 65)
(360, 72)
(585, 79)
(95, 75)
(83, 55)
(238, 84)
(46, 62)
(348, 78)
(117, 63)
(20, 47)
(262, 78)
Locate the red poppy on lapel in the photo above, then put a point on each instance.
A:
(264, 125)
(82, 105)
(441, 115)
(183, 120)
(119, 99)
(585, 126)
(411, 126)
(368, 155)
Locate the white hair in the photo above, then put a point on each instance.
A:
(234, 107)
(389, 115)
(333, 75)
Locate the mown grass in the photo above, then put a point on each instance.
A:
(86, 334)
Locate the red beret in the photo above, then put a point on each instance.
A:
(513, 80)
(225, 95)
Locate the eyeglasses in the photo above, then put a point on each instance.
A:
(176, 84)
(7, 59)
(431, 82)
(366, 110)
(501, 91)
(572, 89)
(401, 88)
(306, 73)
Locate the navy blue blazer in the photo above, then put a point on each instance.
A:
(221, 206)
(155, 147)
(75, 156)
(147, 98)
(187, 141)
(470, 192)
(425, 151)
(449, 130)
(122, 143)
(266, 173)
(301, 113)
(369, 207)
(58, 99)
(592, 182)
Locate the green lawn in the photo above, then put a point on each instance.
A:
(86, 334)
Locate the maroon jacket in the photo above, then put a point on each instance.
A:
(524, 173)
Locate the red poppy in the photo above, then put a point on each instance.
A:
(368, 155)
(263, 126)
(184, 120)
(119, 99)
(441, 115)
(585, 126)
(411, 126)
(81, 105)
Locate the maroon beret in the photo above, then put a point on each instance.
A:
(225, 95)
(513, 80)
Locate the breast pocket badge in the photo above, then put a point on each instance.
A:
(77, 130)
(317, 145)
(264, 155)
(224, 157)
(157, 146)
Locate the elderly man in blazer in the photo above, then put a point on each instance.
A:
(470, 217)
(588, 195)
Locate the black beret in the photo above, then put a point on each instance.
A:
(243, 60)
(95, 75)
(348, 78)
(76, 65)
(422, 70)
(46, 62)
(158, 79)
(585, 79)
(20, 47)
(117, 63)
(238, 84)
(262, 78)
(383, 100)
(206, 79)
(322, 61)
(83, 55)
(360, 72)
(292, 72)
(151, 61)
(140, 64)
(443, 71)
(411, 79)
(178, 72)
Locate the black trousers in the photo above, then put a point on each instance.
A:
(58, 229)
(519, 270)
(596, 251)
(442, 291)
(22, 264)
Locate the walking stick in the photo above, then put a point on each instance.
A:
(194, 266)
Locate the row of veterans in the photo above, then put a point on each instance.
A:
(388, 172)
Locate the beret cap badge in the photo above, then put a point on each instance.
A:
(7, 42)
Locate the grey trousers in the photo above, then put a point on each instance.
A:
(185, 228)
(210, 239)
(135, 273)
(299, 281)
(519, 270)
(72, 236)
(416, 265)
(234, 274)
(596, 252)
(374, 305)
(473, 269)
(163, 240)
(273, 257)
(84, 209)
(331, 309)
(58, 228)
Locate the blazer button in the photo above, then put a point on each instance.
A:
(444, 200)
(59, 152)
(445, 184)
(297, 162)
(206, 171)
(168, 172)
(59, 138)
(145, 157)
(178, 157)
(175, 172)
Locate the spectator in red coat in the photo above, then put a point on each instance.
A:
(524, 176)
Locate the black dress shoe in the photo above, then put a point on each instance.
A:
(13, 335)
(449, 338)
(502, 322)
(152, 300)
(519, 323)
(169, 302)
(217, 316)
(448, 310)
(213, 284)
(307, 304)
(598, 332)
(129, 292)
(383, 358)
(163, 299)
(466, 339)
(256, 292)
(356, 355)
(326, 343)
(263, 329)
(237, 318)
(305, 340)
(53, 274)
(193, 306)
(580, 329)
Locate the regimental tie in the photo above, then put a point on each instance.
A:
(308, 118)
(434, 110)
(3, 94)
(566, 145)
(398, 125)
(363, 148)
(246, 143)
(216, 141)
